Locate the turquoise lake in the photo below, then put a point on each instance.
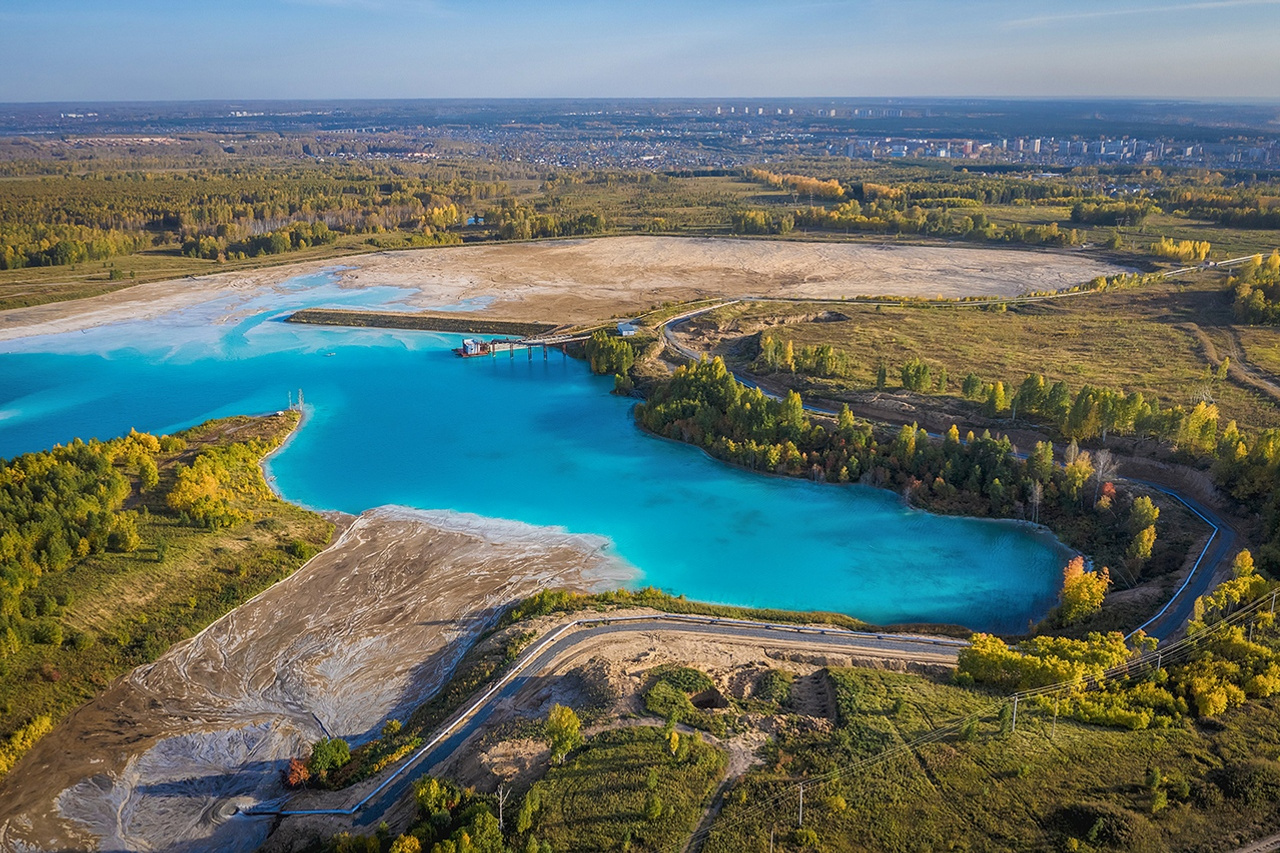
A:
(396, 418)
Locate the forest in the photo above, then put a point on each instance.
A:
(82, 521)
(265, 206)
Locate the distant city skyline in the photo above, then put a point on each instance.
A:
(82, 50)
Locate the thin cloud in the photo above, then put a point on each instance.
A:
(1044, 20)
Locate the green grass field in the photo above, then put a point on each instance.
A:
(1042, 787)
(625, 790)
(1136, 340)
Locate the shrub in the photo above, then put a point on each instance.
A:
(667, 702)
(683, 678)
(774, 685)
(328, 754)
(1254, 781)
(301, 549)
(22, 740)
(1107, 825)
(47, 632)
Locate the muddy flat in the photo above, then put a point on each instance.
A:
(569, 281)
(364, 632)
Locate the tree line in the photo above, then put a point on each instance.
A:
(1228, 669)
(69, 219)
(702, 404)
(1255, 287)
(887, 217)
(1083, 414)
(58, 507)
(1246, 464)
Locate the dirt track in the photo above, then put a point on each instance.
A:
(364, 631)
(581, 280)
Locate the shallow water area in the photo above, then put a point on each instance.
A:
(395, 418)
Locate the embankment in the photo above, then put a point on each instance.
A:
(364, 632)
(459, 324)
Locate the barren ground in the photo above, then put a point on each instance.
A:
(570, 281)
(608, 673)
(363, 632)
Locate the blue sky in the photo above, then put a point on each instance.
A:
(242, 49)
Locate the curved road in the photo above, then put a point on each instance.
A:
(1169, 620)
(372, 809)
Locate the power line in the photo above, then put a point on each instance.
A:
(1135, 667)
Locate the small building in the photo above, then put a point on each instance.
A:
(473, 346)
(626, 330)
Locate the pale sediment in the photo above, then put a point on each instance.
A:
(574, 281)
(364, 632)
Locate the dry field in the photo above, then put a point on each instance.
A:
(572, 281)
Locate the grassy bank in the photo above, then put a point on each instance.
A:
(117, 609)
(624, 789)
(1138, 340)
(1046, 786)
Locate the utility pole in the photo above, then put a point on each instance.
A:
(1013, 725)
(771, 831)
(801, 804)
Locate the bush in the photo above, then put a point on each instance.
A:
(683, 678)
(1255, 781)
(667, 702)
(774, 685)
(47, 632)
(124, 533)
(301, 549)
(1107, 825)
(22, 740)
(328, 754)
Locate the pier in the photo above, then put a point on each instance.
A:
(475, 347)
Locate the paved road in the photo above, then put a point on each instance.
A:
(372, 810)
(1169, 620)
(1218, 550)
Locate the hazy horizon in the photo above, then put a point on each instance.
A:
(143, 50)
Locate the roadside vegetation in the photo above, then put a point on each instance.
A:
(880, 781)
(113, 551)
(636, 789)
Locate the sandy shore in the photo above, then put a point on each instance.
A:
(582, 280)
(363, 633)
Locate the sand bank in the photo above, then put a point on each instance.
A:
(566, 281)
(365, 631)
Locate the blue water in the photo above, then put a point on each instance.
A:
(395, 418)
